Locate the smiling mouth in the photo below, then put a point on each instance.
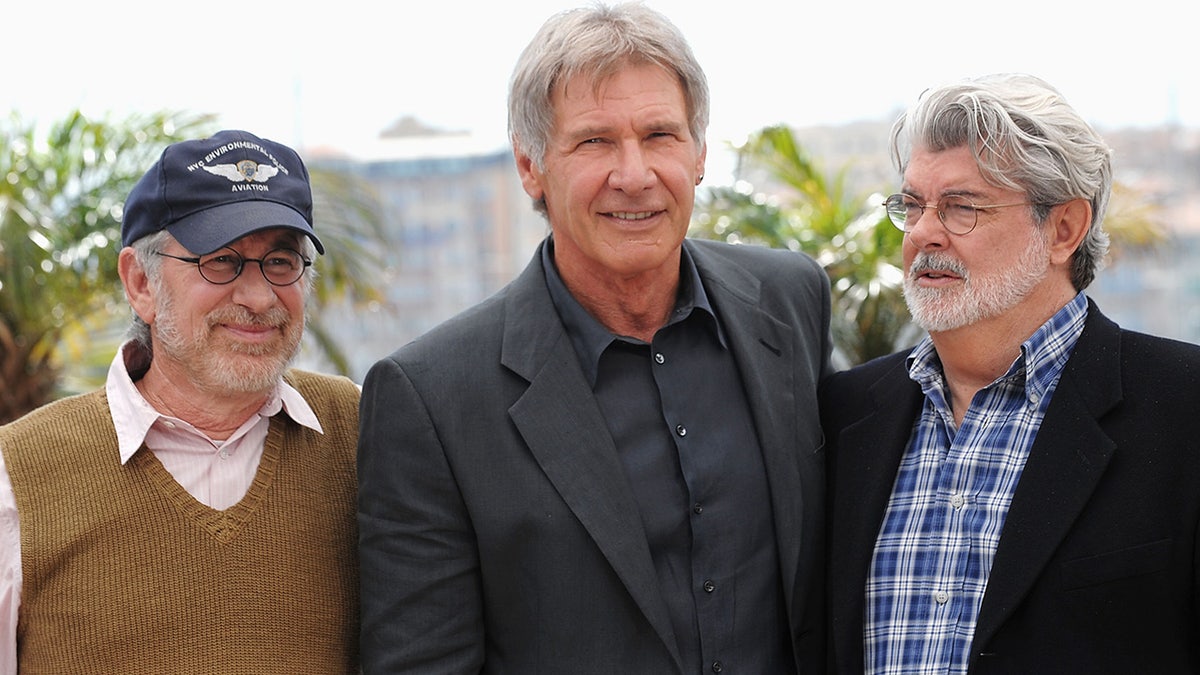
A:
(632, 215)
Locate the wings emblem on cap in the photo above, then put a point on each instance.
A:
(246, 170)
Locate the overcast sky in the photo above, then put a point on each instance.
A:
(336, 73)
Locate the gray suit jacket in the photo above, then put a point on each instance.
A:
(498, 530)
(1098, 565)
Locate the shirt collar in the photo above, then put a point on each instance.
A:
(1037, 368)
(133, 416)
(590, 338)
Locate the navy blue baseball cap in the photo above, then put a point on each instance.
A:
(211, 192)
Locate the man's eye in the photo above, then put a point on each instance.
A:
(221, 261)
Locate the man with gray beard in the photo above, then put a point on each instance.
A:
(1019, 493)
(196, 515)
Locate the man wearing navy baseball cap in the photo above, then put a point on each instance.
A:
(197, 514)
(209, 192)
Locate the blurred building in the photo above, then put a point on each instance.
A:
(1156, 290)
(459, 225)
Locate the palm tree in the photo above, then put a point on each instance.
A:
(796, 207)
(349, 217)
(850, 237)
(62, 192)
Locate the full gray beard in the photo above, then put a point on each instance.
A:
(943, 309)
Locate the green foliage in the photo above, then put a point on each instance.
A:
(61, 199)
(797, 208)
(348, 218)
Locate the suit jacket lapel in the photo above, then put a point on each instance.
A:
(567, 435)
(763, 348)
(867, 457)
(1065, 464)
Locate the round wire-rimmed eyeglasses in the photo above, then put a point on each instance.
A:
(957, 214)
(280, 267)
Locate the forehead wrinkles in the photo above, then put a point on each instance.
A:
(934, 174)
(644, 100)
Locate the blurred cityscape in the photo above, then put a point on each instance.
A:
(461, 226)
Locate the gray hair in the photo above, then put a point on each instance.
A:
(597, 42)
(146, 251)
(1024, 136)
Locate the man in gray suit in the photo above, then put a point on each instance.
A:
(614, 464)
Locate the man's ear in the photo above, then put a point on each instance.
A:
(531, 175)
(1066, 227)
(137, 285)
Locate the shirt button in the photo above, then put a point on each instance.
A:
(659, 358)
(681, 430)
(717, 667)
(941, 597)
(709, 586)
(957, 501)
(698, 509)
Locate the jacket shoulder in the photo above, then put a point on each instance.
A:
(755, 257)
(845, 395)
(866, 374)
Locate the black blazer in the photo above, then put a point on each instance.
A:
(1098, 566)
(498, 529)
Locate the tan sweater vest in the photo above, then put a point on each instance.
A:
(124, 572)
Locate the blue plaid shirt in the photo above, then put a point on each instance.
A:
(935, 548)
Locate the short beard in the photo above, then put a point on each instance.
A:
(231, 367)
(938, 310)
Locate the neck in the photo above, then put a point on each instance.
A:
(632, 310)
(215, 414)
(634, 306)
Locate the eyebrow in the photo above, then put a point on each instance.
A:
(286, 238)
(587, 132)
(654, 125)
(971, 194)
(670, 126)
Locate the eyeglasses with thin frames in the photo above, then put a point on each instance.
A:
(280, 267)
(958, 214)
